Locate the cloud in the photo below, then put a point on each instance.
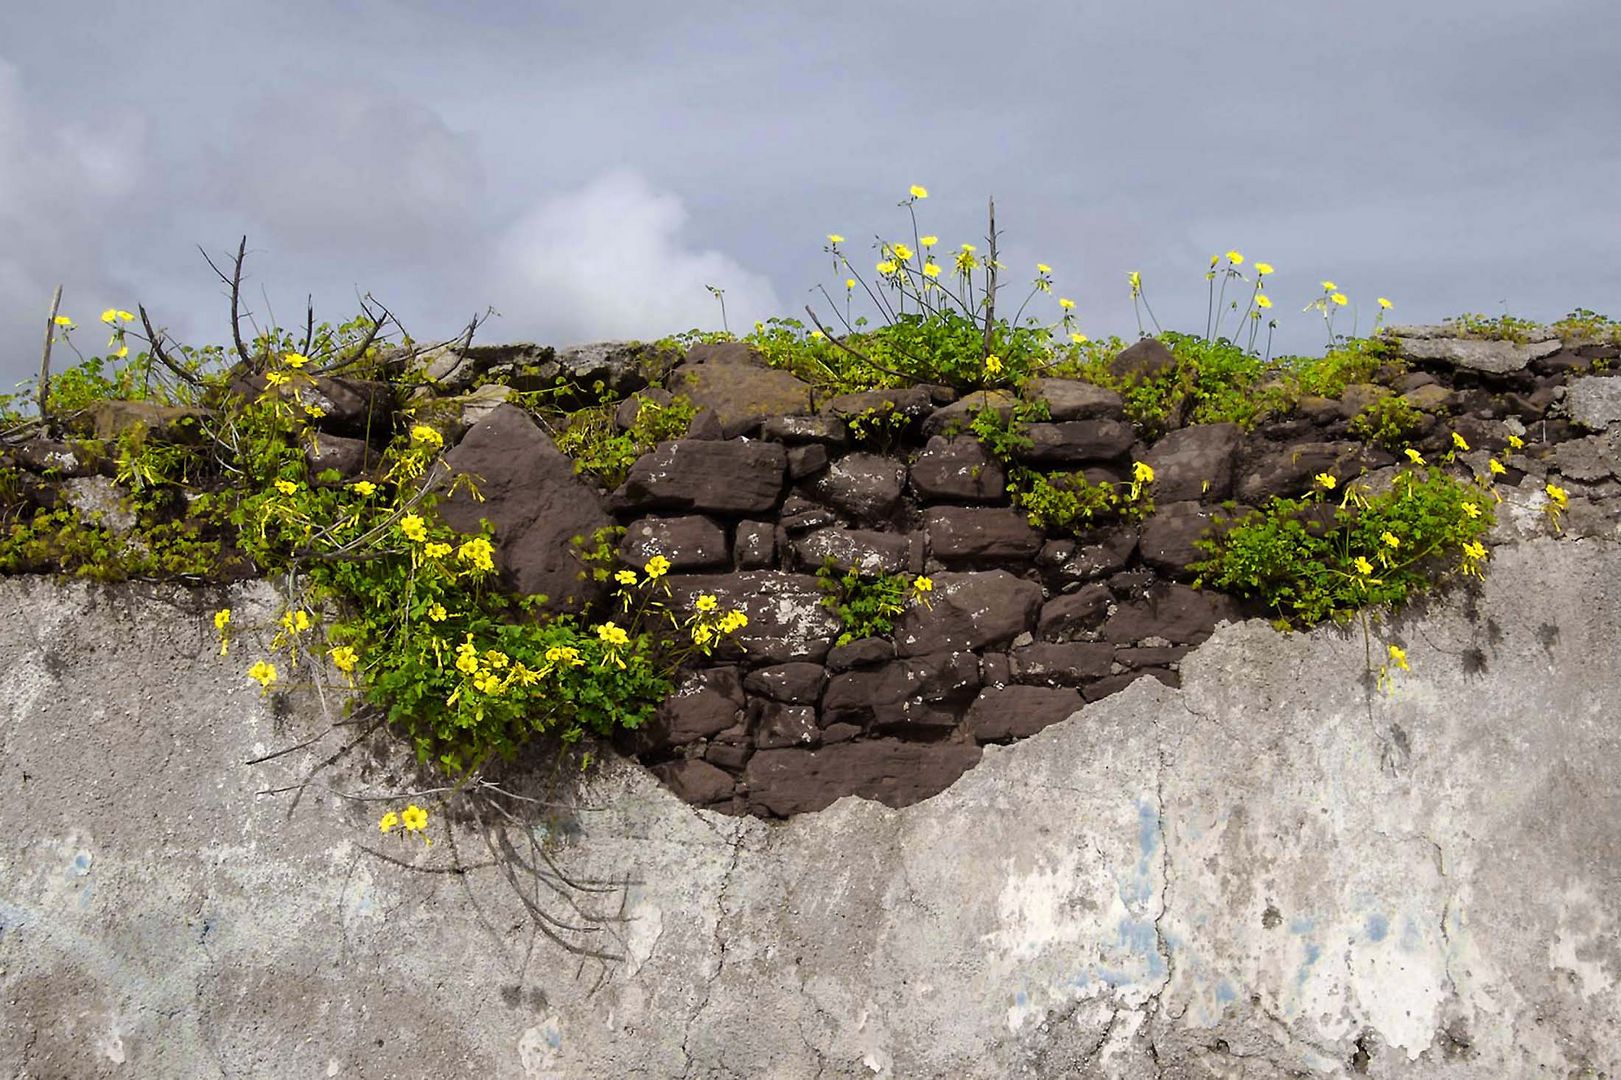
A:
(357, 169)
(64, 190)
(609, 260)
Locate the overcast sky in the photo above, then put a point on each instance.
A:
(587, 169)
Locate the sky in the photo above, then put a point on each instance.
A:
(588, 170)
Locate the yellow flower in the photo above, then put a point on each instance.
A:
(1263, 268)
(1235, 258)
(365, 487)
(1363, 566)
(969, 248)
(222, 618)
(295, 360)
(121, 352)
(918, 191)
(1079, 339)
(478, 552)
(1263, 301)
(1385, 304)
(1136, 280)
(1516, 442)
(922, 584)
(467, 657)
(733, 621)
(414, 818)
(850, 283)
(314, 412)
(111, 315)
(64, 322)
(344, 658)
(1496, 467)
(1066, 303)
(993, 364)
(626, 577)
(928, 241)
(1328, 286)
(1459, 441)
(1326, 480)
(1340, 299)
(612, 635)
(706, 602)
(931, 270)
(1470, 510)
(277, 378)
(902, 252)
(1142, 472)
(426, 435)
(437, 612)
(414, 527)
(1391, 539)
(1398, 656)
(286, 487)
(834, 238)
(564, 654)
(886, 268)
(965, 260)
(1043, 268)
(1557, 495)
(1414, 456)
(263, 673)
(436, 550)
(390, 822)
(657, 567)
(295, 622)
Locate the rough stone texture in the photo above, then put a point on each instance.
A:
(1073, 442)
(1141, 360)
(1017, 712)
(350, 457)
(1594, 402)
(740, 395)
(1071, 399)
(1176, 613)
(786, 618)
(1271, 872)
(1291, 471)
(1492, 357)
(1170, 537)
(806, 430)
(1047, 664)
(980, 534)
(958, 470)
(867, 551)
(110, 419)
(900, 693)
(865, 486)
(959, 415)
(792, 684)
(708, 477)
(1194, 463)
(532, 498)
(693, 542)
(1080, 610)
(913, 402)
(968, 611)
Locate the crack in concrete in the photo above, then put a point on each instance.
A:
(738, 833)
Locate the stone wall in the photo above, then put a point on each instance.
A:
(1270, 872)
(1024, 627)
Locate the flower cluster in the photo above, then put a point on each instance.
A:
(413, 820)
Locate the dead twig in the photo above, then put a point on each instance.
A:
(44, 387)
(990, 281)
(155, 340)
(235, 282)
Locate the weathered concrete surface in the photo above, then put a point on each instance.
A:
(1272, 872)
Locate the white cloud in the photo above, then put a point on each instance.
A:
(63, 192)
(609, 261)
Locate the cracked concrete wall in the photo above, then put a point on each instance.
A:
(1271, 872)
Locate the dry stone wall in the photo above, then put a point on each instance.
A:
(1024, 627)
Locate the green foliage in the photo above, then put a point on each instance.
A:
(1069, 502)
(1002, 430)
(1389, 422)
(1583, 325)
(1499, 327)
(865, 604)
(1353, 361)
(878, 428)
(593, 439)
(1309, 559)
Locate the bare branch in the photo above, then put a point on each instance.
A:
(841, 345)
(45, 359)
(235, 282)
(990, 284)
(359, 352)
(155, 340)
